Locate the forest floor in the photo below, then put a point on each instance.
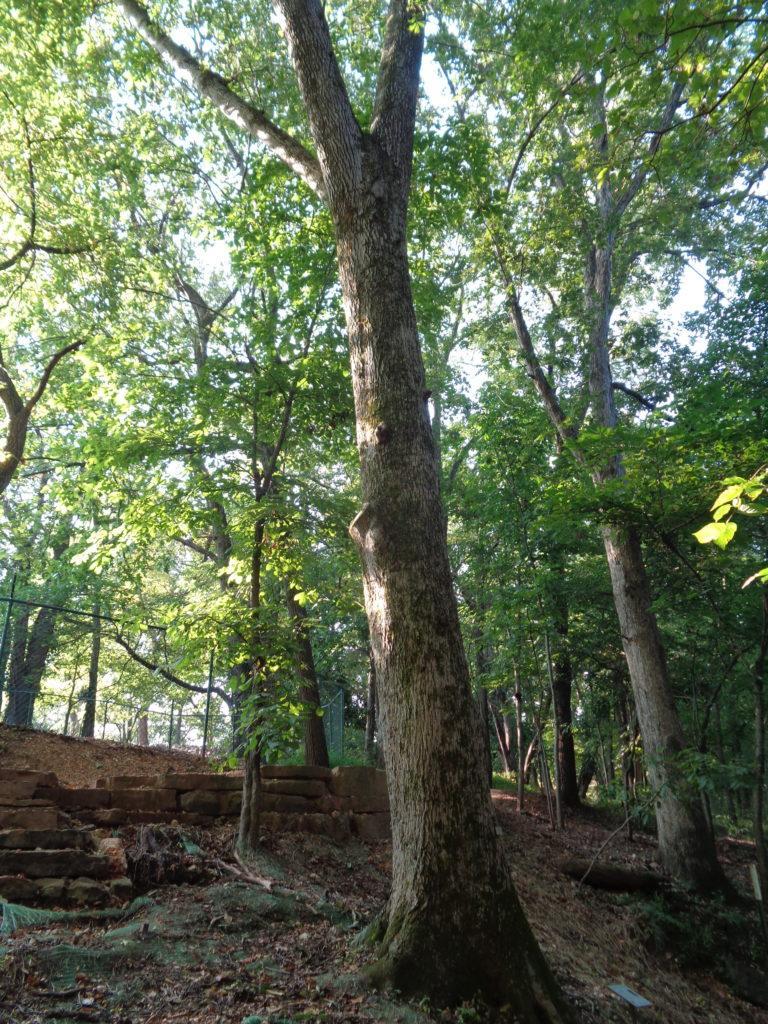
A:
(218, 950)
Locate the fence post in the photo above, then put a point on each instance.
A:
(4, 637)
(208, 703)
(170, 727)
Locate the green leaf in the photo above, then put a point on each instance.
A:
(718, 533)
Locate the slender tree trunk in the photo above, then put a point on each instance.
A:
(248, 833)
(89, 716)
(15, 708)
(758, 796)
(143, 730)
(685, 843)
(562, 680)
(520, 754)
(502, 738)
(315, 747)
(485, 732)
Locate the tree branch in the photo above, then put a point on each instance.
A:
(640, 175)
(165, 673)
(215, 89)
(335, 131)
(52, 363)
(633, 394)
(397, 87)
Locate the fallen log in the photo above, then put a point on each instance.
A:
(614, 877)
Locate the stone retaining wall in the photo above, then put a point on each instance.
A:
(295, 798)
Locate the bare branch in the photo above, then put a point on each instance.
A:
(164, 672)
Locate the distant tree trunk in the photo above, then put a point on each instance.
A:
(143, 729)
(730, 803)
(29, 655)
(501, 726)
(562, 679)
(315, 747)
(520, 753)
(89, 716)
(485, 727)
(586, 775)
(758, 795)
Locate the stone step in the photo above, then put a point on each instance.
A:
(45, 839)
(34, 778)
(54, 863)
(81, 891)
(29, 814)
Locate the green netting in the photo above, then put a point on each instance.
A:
(16, 916)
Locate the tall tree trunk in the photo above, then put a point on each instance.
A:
(89, 715)
(520, 752)
(248, 831)
(315, 747)
(485, 732)
(453, 924)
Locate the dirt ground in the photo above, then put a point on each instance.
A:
(80, 762)
(225, 951)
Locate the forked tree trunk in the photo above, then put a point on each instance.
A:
(453, 925)
(315, 747)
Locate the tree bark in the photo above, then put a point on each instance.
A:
(315, 747)
(248, 832)
(370, 714)
(89, 715)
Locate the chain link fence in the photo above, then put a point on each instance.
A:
(178, 726)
